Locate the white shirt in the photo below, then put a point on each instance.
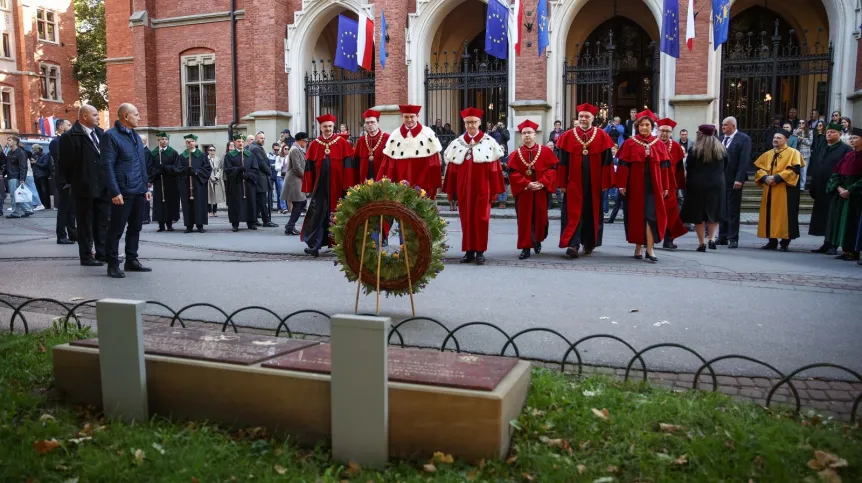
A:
(728, 139)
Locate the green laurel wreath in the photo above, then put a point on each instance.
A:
(369, 196)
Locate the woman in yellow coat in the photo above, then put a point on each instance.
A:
(778, 174)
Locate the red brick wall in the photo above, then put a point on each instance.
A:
(531, 79)
(692, 67)
(390, 83)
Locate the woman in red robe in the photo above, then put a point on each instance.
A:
(532, 178)
(642, 179)
(676, 180)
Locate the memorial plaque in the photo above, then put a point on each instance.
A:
(205, 345)
(415, 366)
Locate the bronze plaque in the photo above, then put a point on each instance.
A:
(415, 366)
(205, 345)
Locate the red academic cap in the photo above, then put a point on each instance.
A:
(646, 113)
(588, 108)
(472, 112)
(528, 123)
(371, 113)
(667, 122)
(707, 129)
(326, 118)
(409, 109)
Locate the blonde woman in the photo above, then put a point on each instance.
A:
(216, 184)
(705, 186)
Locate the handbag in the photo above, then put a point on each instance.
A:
(23, 195)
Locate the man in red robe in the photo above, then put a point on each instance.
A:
(533, 180)
(412, 153)
(369, 147)
(329, 173)
(474, 177)
(585, 170)
(676, 181)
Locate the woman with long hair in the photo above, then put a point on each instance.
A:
(705, 186)
(846, 125)
(216, 185)
(643, 179)
(804, 142)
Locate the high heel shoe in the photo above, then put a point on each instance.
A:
(651, 258)
(701, 248)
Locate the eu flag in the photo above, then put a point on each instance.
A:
(720, 22)
(544, 36)
(670, 28)
(345, 51)
(497, 30)
(382, 39)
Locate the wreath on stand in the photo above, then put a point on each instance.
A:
(370, 208)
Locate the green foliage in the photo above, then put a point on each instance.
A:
(89, 65)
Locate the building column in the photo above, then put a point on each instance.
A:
(144, 52)
(694, 103)
(390, 84)
(531, 79)
(856, 97)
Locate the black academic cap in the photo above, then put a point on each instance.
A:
(300, 136)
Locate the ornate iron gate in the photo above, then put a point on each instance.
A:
(590, 78)
(340, 92)
(475, 80)
(763, 77)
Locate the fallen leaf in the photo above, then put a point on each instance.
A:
(280, 469)
(80, 440)
(443, 458)
(682, 460)
(353, 469)
(613, 469)
(670, 428)
(823, 460)
(582, 469)
(472, 475)
(605, 479)
(481, 463)
(139, 456)
(592, 393)
(758, 461)
(584, 445)
(194, 480)
(72, 480)
(42, 349)
(512, 459)
(829, 476)
(537, 412)
(603, 414)
(46, 417)
(429, 468)
(158, 447)
(729, 444)
(527, 476)
(88, 430)
(46, 445)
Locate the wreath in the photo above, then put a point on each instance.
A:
(372, 207)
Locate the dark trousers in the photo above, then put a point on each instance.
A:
(148, 209)
(213, 208)
(264, 205)
(130, 213)
(729, 228)
(92, 215)
(295, 213)
(66, 227)
(618, 203)
(43, 187)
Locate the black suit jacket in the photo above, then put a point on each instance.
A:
(738, 159)
(79, 163)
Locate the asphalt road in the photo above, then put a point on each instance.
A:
(787, 309)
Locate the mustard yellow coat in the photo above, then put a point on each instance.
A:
(779, 204)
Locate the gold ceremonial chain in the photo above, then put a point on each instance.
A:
(326, 145)
(585, 144)
(370, 149)
(646, 146)
(530, 165)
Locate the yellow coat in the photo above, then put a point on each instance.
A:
(779, 204)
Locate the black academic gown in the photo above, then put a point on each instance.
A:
(240, 170)
(821, 171)
(197, 168)
(163, 170)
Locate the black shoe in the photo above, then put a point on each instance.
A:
(469, 257)
(12, 216)
(252, 227)
(609, 222)
(701, 248)
(64, 241)
(25, 215)
(832, 251)
(270, 224)
(188, 229)
(201, 229)
(784, 249)
(572, 252)
(651, 258)
(161, 229)
(313, 253)
(146, 222)
(73, 239)
(733, 244)
(115, 272)
(823, 249)
(770, 246)
(291, 233)
(135, 266)
(525, 254)
(257, 223)
(101, 258)
(712, 245)
(234, 229)
(480, 258)
(538, 248)
(170, 228)
(91, 263)
(669, 246)
(723, 241)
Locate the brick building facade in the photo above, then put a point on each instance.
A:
(37, 46)
(173, 58)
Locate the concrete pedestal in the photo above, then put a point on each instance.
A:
(122, 371)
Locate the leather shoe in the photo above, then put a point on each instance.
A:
(64, 241)
(201, 229)
(188, 230)
(701, 248)
(91, 263)
(161, 229)
(270, 224)
(115, 272)
(712, 245)
(769, 246)
(572, 252)
(823, 249)
(669, 246)
(832, 251)
(733, 244)
(234, 229)
(525, 254)
(784, 249)
(101, 258)
(468, 258)
(135, 266)
(538, 248)
(480, 258)
(651, 258)
(170, 228)
(257, 223)
(291, 233)
(723, 241)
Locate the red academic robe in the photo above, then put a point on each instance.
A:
(366, 147)
(671, 203)
(473, 177)
(633, 169)
(342, 169)
(570, 176)
(532, 206)
(413, 155)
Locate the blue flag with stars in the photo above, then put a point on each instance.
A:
(670, 28)
(345, 51)
(497, 30)
(544, 36)
(382, 39)
(720, 22)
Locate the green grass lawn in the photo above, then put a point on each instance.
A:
(591, 430)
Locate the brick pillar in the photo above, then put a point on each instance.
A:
(531, 78)
(265, 21)
(692, 100)
(144, 42)
(121, 77)
(390, 84)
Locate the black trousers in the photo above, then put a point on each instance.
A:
(43, 187)
(66, 227)
(130, 213)
(264, 206)
(729, 228)
(295, 213)
(92, 215)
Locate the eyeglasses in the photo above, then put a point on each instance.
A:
(211, 150)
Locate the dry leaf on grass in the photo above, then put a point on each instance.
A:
(429, 468)
(79, 440)
(440, 457)
(527, 476)
(603, 414)
(512, 459)
(41, 349)
(472, 475)
(613, 469)
(605, 479)
(582, 469)
(823, 460)
(46, 417)
(682, 460)
(139, 456)
(280, 469)
(829, 476)
(46, 445)
(353, 469)
(670, 428)
(584, 445)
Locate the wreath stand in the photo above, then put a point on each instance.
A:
(379, 259)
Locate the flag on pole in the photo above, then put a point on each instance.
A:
(382, 39)
(365, 41)
(720, 22)
(542, 16)
(670, 28)
(518, 32)
(497, 30)
(689, 26)
(345, 50)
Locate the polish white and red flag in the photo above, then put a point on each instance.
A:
(689, 26)
(518, 29)
(365, 41)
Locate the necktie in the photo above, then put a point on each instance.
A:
(727, 142)
(95, 140)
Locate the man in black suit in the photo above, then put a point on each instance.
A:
(738, 146)
(79, 162)
(67, 232)
(630, 123)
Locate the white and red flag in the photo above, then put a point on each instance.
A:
(689, 26)
(365, 41)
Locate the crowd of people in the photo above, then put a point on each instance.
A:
(108, 182)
